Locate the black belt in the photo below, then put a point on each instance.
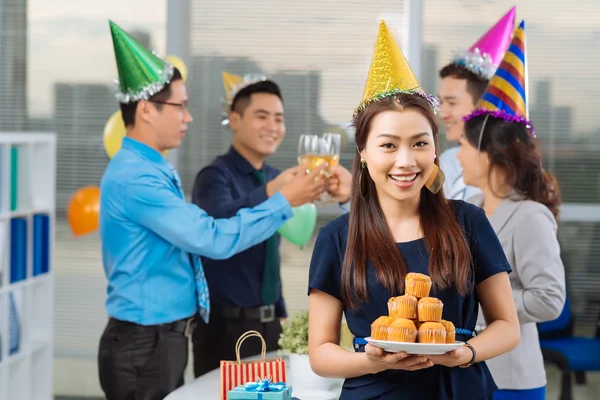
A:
(183, 326)
(262, 313)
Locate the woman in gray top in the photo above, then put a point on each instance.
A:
(499, 155)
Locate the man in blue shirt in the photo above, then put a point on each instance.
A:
(246, 292)
(151, 236)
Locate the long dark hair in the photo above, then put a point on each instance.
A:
(369, 238)
(512, 149)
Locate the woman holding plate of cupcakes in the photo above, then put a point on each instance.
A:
(406, 266)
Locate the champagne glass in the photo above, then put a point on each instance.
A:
(330, 153)
(310, 148)
(332, 148)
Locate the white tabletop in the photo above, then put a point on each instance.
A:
(207, 386)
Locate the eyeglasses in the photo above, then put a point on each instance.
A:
(183, 106)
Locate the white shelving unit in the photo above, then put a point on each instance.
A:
(27, 203)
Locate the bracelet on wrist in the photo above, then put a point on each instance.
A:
(467, 344)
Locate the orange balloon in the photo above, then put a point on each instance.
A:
(83, 211)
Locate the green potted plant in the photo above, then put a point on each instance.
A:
(294, 336)
(294, 340)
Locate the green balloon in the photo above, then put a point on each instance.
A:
(299, 229)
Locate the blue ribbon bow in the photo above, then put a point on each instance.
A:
(265, 385)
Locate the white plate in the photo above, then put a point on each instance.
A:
(415, 348)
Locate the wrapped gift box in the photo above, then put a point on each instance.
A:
(261, 390)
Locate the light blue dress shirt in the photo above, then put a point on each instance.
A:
(454, 185)
(345, 206)
(149, 233)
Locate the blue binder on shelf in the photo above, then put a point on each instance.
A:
(14, 327)
(18, 249)
(41, 244)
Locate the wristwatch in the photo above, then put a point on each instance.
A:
(467, 365)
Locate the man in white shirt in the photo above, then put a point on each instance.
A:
(464, 81)
(459, 91)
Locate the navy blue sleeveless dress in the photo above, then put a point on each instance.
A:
(437, 382)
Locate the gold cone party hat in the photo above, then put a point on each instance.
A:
(230, 83)
(390, 74)
(233, 84)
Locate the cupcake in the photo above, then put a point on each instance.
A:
(430, 309)
(392, 307)
(417, 284)
(432, 332)
(405, 307)
(450, 331)
(379, 328)
(402, 330)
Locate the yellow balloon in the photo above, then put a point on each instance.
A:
(114, 132)
(179, 64)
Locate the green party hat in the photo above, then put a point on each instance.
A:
(141, 73)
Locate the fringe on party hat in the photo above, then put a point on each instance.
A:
(506, 95)
(485, 55)
(141, 73)
(390, 74)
